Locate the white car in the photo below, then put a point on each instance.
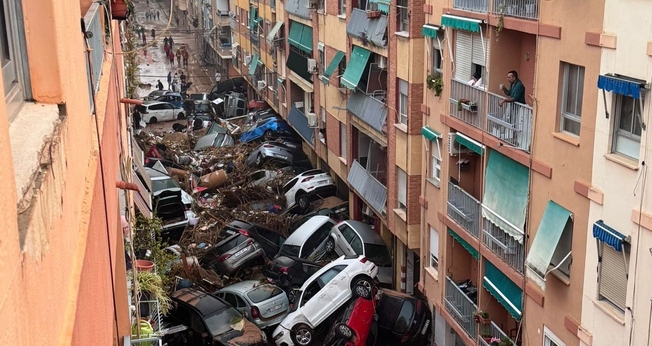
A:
(306, 186)
(155, 111)
(321, 295)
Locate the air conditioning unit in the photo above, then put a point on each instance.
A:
(261, 84)
(366, 210)
(247, 60)
(298, 104)
(381, 61)
(455, 148)
(311, 4)
(312, 65)
(312, 120)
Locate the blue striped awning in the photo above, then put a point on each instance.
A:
(621, 85)
(609, 235)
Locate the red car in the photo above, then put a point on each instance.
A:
(355, 324)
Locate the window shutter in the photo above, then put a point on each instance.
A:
(434, 242)
(463, 55)
(478, 51)
(613, 278)
(402, 182)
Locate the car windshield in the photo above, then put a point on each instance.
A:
(264, 292)
(221, 322)
(218, 140)
(232, 243)
(202, 107)
(163, 184)
(404, 317)
(289, 250)
(197, 96)
(378, 254)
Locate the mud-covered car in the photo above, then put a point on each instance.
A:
(210, 321)
(233, 253)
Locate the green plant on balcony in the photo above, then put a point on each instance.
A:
(434, 82)
(152, 283)
(501, 20)
(148, 245)
(481, 317)
(131, 62)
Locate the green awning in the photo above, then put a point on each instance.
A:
(429, 30)
(468, 142)
(253, 14)
(253, 64)
(506, 194)
(507, 293)
(383, 5)
(354, 70)
(300, 36)
(333, 64)
(545, 241)
(272, 33)
(460, 23)
(465, 245)
(429, 133)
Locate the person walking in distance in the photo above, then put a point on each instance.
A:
(144, 39)
(179, 57)
(185, 58)
(169, 80)
(218, 77)
(171, 42)
(158, 15)
(159, 85)
(182, 77)
(171, 57)
(153, 34)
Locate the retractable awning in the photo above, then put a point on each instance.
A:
(429, 133)
(609, 235)
(274, 31)
(461, 23)
(298, 120)
(253, 64)
(300, 36)
(355, 68)
(383, 5)
(468, 142)
(465, 244)
(332, 66)
(506, 292)
(429, 30)
(621, 85)
(551, 227)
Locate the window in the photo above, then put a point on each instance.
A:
(401, 179)
(571, 98)
(330, 275)
(352, 238)
(322, 57)
(470, 57)
(435, 161)
(403, 102)
(321, 6)
(12, 55)
(613, 275)
(563, 249)
(341, 8)
(434, 249)
(627, 127)
(437, 57)
(550, 339)
(403, 16)
(343, 141)
(322, 127)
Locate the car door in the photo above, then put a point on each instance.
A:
(170, 111)
(236, 302)
(321, 305)
(348, 242)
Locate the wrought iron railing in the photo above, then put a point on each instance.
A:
(528, 9)
(369, 188)
(503, 244)
(493, 330)
(464, 209)
(461, 308)
(511, 122)
(465, 112)
(472, 5)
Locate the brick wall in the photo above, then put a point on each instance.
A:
(333, 134)
(415, 116)
(413, 193)
(332, 7)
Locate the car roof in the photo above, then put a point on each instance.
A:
(311, 172)
(367, 234)
(173, 94)
(243, 286)
(339, 261)
(299, 236)
(154, 102)
(206, 303)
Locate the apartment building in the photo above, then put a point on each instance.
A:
(507, 181)
(616, 305)
(63, 142)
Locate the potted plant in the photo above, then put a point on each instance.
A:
(481, 317)
(151, 286)
(495, 342)
(487, 337)
(373, 14)
(121, 9)
(435, 82)
(470, 106)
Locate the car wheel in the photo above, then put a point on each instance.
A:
(362, 287)
(303, 201)
(343, 331)
(152, 120)
(267, 135)
(302, 334)
(181, 116)
(259, 160)
(330, 246)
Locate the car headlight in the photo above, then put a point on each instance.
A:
(278, 336)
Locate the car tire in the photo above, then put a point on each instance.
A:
(343, 331)
(330, 246)
(259, 160)
(302, 334)
(153, 120)
(181, 116)
(362, 287)
(303, 201)
(267, 135)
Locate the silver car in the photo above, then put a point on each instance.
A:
(354, 238)
(214, 140)
(265, 305)
(233, 253)
(273, 151)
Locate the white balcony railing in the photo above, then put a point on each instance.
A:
(502, 243)
(461, 308)
(497, 333)
(464, 209)
(462, 91)
(472, 5)
(511, 123)
(369, 188)
(528, 9)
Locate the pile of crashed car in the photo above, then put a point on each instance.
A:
(238, 198)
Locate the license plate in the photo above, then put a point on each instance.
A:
(241, 252)
(425, 327)
(276, 307)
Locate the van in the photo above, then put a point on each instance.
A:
(309, 240)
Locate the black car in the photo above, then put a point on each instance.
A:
(403, 318)
(237, 84)
(211, 321)
(203, 108)
(269, 240)
(290, 272)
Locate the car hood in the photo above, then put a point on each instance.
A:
(243, 333)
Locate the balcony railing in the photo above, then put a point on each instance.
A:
(461, 308)
(528, 9)
(96, 42)
(462, 91)
(472, 5)
(512, 122)
(503, 244)
(496, 333)
(369, 188)
(464, 209)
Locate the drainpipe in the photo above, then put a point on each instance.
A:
(131, 101)
(123, 185)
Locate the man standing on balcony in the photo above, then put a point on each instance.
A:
(516, 91)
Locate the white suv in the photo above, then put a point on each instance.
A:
(321, 295)
(307, 185)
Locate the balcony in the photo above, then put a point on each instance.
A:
(495, 332)
(96, 42)
(527, 9)
(298, 8)
(464, 209)
(472, 5)
(368, 109)
(368, 187)
(462, 91)
(502, 243)
(461, 308)
(511, 123)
